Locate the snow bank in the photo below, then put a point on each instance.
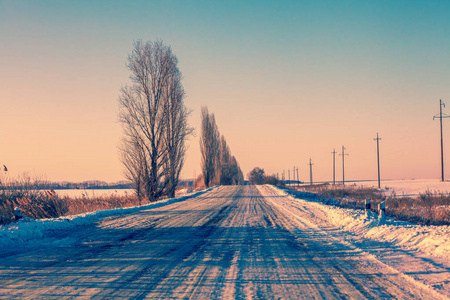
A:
(31, 233)
(432, 240)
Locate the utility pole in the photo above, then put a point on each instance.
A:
(310, 172)
(293, 174)
(343, 165)
(440, 117)
(289, 176)
(334, 166)
(298, 180)
(378, 158)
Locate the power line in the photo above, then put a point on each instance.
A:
(440, 117)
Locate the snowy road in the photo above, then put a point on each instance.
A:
(231, 243)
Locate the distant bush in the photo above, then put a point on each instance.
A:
(258, 176)
(430, 208)
(272, 179)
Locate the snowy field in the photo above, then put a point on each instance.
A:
(230, 242)
(410, 187)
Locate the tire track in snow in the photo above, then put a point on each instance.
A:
(324, 280)
(179, 253)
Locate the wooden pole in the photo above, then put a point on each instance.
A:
(310, 172)
(334, 166)
(378, 158)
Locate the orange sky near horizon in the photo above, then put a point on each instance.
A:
(286, 81)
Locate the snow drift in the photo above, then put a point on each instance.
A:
(431, 240)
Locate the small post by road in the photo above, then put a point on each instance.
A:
(298, 180)
(343, 164)
(382, 209)
(378, 158)
(440, 117)
(367, 210)
(17, 214)
(334, 166)
(310, 172)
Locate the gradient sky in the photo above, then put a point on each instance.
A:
(287, 81)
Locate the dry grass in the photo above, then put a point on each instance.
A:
(32, 205)
(80, 205)
(430, 208)
(46, 204)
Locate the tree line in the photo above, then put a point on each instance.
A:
(154, 121)
(218, 165)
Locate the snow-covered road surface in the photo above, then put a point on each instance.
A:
(231, 243)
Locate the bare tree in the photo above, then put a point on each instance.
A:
(218, 165)
(177, 130)
(226, 168)
(225, 153)
(256, 176)
(209, 146)
(238, 176)
(135, 162)
(148, 115)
